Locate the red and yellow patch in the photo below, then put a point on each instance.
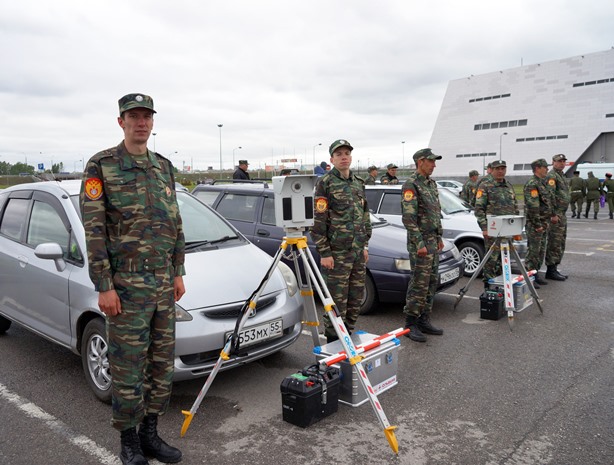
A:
(408, 195)
(479, 193)
(551, 182)
(534, 193)
(93, 188)
(321, 204)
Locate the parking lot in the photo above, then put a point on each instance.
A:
(480, 394)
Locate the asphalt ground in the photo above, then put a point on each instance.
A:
(481, 394)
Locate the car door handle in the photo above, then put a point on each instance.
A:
(263, 232)
(23, 261)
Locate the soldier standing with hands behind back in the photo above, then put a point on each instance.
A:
(341, 233)
(135, 248)
(422, 219)
(557, 234)
(577, 192)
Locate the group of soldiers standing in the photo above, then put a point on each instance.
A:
(591, 189)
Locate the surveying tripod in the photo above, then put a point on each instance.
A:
(506, 245)
(297, 242)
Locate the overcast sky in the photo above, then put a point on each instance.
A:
(281, 76)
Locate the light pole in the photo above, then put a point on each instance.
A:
(220, 126)
(154, 134)
(314, 154)
(75, 165)
(403, 145)
(500, 140)
(233, 156)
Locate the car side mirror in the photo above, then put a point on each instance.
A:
(51, 251)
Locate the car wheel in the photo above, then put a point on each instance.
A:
(369, 300)
(5, 324)
(94, 357)
(472, 254)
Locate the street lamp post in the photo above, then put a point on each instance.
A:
(220, 126)
(154, 137)
(403, 145)
(233, 156)
(314, 154)
(500, 141)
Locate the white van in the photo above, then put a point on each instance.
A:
(598, 169)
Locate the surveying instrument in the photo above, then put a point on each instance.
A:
(294, 211)
(504, 228)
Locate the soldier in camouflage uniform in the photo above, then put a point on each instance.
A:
(372, 176)
(494, 196)
(135, 247)
(390, 177)
(557, 234)
(593, 193)
(341, 233)
(577, 192)
(422, 219)
(608, 185)
(487, 177)
(540, 214)
(468, 191)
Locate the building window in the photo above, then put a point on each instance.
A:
(490, 97)
(609, 115)
(486, 126)
(518, 167)
(522, 122)
(590, 83)
(477, 127)
(513, 124)
(503, 124)
(561, 137)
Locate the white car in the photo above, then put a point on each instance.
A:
(45, 285)
(454, 186)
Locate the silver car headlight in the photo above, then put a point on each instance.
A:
(289, 277)
(181, 314)
(402, 264)
(456, 253)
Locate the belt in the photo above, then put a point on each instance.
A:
(136, 264)
(575, 192)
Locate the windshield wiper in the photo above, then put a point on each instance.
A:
(223, 239)
(458, 211)
(195, 244)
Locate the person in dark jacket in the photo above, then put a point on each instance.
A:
(241, 171)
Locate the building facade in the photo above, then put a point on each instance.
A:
(533, 111)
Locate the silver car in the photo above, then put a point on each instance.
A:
(45, 285)
(458, 221)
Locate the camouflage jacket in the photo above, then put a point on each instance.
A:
(494, 198)
(487, 178)
(593, 188)
(577, 184)
(538, 206)
(387, 179)
(421, 210)
(130, 215)
(559, 191)
(608, 185)
(468, 191)
(370, 180)
(341, 216)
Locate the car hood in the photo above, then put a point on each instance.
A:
(244, 268)
(462, 221)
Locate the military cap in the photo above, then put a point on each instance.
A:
(130, 101)
(473, 173)
(539, 162)
(489, 165)
(371, 168)
(608, 175)
(426, 153)
(497, 163)
(391, 165)
(559, 157)
(339, 143)
(243, 162)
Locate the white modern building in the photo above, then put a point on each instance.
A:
(533, 111)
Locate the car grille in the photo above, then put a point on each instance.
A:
(233, 311)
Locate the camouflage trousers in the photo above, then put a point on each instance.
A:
(424, 279)
(557, 235)
(610, 200)
(346, 284)
(575, 202)
(595, 202)
(492, 267)
(536, 242)
(141, 346)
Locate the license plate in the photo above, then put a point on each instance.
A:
(449, 275)
(256, 334)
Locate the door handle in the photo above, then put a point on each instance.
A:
(263, 232)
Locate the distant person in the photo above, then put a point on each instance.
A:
(370, 181)
(241, 171)
(390, 177)
(539, 214)
(494, 196)
(608, 186)
(468, 191)
(577, 191)
(320, 170)
(486, 177)
(557, 234)
(593, 194)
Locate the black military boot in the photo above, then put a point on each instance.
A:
(595, 216)
(539, 280)
(414, 334)
(556, 267)
(153, 445)
(573, 214)
(131, 453)
(552, 273)
(586, 212)
(612, 216)
(425, 325)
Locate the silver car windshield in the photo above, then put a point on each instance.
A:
(450, 203)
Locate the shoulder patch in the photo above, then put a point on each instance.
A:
(534, 193)
(321, 204)
(93, 188)
(408, 195)
(551, 182)
(479, 193)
